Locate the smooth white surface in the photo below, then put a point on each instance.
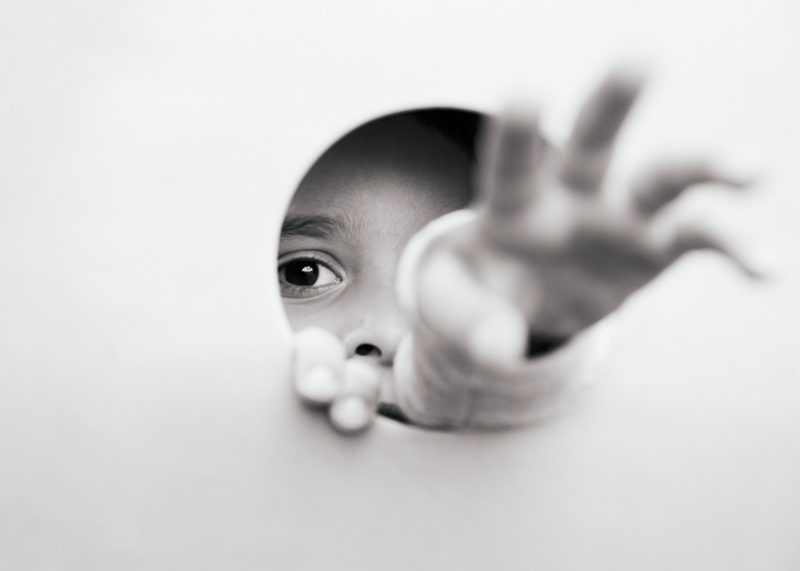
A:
(148, 150)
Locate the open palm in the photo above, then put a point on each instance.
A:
(551, 249)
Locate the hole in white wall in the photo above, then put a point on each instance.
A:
(352, 214)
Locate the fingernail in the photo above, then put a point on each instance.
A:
(521, 115)
(631, 74)
(498, 341)
(738, 170)
(318, 385)
(764, 263)
(350, 414)
(361, 379)
(319, 344)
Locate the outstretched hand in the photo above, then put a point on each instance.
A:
(552, 250)
(548, 251)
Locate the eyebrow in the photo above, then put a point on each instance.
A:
(314, 226)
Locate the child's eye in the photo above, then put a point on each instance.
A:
(306, 276)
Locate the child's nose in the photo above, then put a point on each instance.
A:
(377, 338)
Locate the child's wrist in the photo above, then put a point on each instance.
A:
(436, 389)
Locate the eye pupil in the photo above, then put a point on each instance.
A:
(302, 273)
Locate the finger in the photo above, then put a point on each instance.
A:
(512, 150)
(475, 320)
(588, 150)
(661, 185)
(356, 405)
(689, 236)
(318, 363)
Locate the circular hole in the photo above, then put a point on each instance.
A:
(353, 212)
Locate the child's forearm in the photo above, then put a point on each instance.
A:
(438, 390)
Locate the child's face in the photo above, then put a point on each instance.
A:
(348, 223)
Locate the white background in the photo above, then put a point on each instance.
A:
(147, 150)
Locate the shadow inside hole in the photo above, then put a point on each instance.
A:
(351, 216)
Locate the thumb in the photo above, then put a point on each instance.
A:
(477, 322)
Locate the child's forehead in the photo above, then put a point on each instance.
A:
(371, 186)
(380, 204)
(373, 208)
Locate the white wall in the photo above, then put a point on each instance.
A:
(148, 149)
